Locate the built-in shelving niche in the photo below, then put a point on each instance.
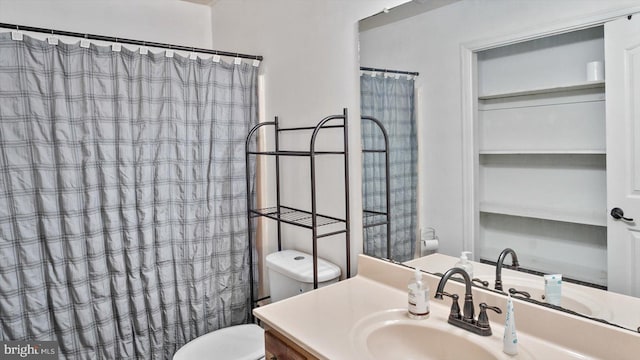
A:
(542, 155)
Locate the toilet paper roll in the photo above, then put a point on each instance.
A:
(429, 245)
(595, 71)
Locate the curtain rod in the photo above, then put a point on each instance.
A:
(129, 41)
(414, 73)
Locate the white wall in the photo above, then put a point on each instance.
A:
(310, 71)
(167, 21)
(430, 44)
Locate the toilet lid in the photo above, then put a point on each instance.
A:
(241, 342)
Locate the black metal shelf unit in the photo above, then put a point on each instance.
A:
(373, 218)
(309, 219)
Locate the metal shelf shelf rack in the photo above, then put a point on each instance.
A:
(309, 219)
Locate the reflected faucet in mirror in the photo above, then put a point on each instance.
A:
(514, 291)
(501, 258)
(480, 281)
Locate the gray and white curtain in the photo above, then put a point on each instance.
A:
(123, 229)
(391, 101)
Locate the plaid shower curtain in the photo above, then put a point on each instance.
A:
(391, 101)
(123, 230)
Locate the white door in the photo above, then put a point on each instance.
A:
(622, 71)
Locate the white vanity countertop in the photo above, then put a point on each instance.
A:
(321, 321)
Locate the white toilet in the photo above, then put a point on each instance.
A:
(290, 273)
(240, 342)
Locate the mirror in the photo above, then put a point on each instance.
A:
(539, 165)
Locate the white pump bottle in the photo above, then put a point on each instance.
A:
(464, 263)
(418, 297)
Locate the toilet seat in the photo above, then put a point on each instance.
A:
(240, 342)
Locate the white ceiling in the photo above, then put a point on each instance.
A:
(204, 2)
(401, 12)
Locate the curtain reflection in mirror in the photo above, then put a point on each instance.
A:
(390, 100)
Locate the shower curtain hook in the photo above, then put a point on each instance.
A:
(84, 42)
(143, 49)
(17, 34)
(256, 62)
(169, 52)
(116, 46)
(52, 40)
(216, 57)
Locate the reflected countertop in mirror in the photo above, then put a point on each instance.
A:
(617, 309)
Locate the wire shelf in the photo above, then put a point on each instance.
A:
(296, 216)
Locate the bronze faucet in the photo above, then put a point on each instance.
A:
(514, 263)
(466, 321)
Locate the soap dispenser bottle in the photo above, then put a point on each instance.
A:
(464, 263)
(418, 297)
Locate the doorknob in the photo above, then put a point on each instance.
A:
(618, 214)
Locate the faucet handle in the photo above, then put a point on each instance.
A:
(483, 319)
(482, 282)
(454, 313)
(514, 291)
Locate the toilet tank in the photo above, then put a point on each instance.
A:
(291, 273)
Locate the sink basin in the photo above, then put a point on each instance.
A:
(421, 342)
(387, 334)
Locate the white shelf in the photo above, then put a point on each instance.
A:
(542, 152)
(571, 216)
(558, 128)
(567, 88)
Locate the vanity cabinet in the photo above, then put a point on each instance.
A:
(279, 347)
(541, 155)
